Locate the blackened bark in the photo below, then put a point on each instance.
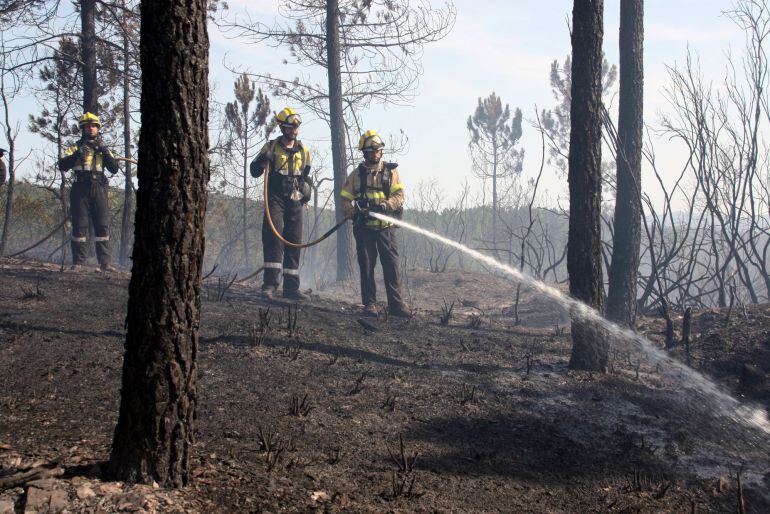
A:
(88, 54)
(8, 194)
(621, 295)
(154, 436)
(128, 193)
(584, 264)
(11, 171)
(337, 125)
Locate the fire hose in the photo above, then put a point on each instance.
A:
(270, 218)
(331, 231)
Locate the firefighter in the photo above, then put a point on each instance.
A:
(88, 197)
(3, 170)
(375, 186)
(287, 162)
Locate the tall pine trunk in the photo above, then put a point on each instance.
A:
(128, 194)
(88, 54)
(337, 125)
(154, 436)
(621, 295)
(584, 261)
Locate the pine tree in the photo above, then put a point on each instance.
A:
(494, 136)
(154, 436)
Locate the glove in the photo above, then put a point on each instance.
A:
(362, 205)
(257, 166)
(307, 191)
(380, 208)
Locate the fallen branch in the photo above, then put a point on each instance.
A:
(28, 475)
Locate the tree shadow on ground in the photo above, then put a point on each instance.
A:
(351, 353)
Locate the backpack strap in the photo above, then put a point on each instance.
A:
(387, 177)
(362, 181)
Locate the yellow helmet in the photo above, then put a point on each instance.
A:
(370, 140)
(88, 118)
(288, 116)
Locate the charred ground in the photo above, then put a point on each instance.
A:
(308, 414)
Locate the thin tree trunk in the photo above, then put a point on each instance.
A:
(337, 125)
(128, 193)
(584, 259)
(88, 54)
(154, 436)
(494, 193)
(621, 296)
(244, 207)
(11, 171)
(62, 192)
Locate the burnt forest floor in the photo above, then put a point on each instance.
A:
(309, 414)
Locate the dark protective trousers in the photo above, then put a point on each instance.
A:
(88, 198)
(369, 243)
(287, 218)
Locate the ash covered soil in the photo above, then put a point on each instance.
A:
(324, 413)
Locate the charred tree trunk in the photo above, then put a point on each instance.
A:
(62, 194)
(337, 125)
(11, 171)
(154, 436)
(621, 295)
(88, 54)
(128, 193)
(245, 197)
(584, 259)
(8, 199)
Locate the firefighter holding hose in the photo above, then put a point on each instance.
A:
(287, 164)
(375, 186)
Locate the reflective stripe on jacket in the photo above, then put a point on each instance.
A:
(375, 192)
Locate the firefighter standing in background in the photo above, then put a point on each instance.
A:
(287, 161)
(375, 186)
(3, 170)
(88, 196)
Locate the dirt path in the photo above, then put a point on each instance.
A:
(309, 419)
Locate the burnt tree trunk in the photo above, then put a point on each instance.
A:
(245, 197)
(584, 260)
(154, 436)
(337, 126)
(621, 294)
(11, 169)
(128, 193)
(88, 54)
(8, 199)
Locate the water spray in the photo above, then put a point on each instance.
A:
(719, 400)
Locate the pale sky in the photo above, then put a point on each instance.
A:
(495, 45)
(506, 47)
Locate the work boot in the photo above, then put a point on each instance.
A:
(295, 294)
(399, 311)
(270, 291)
(107, 268)
(370, 310)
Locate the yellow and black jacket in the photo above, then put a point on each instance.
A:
(290, 162)
(88, 159)
(383, 185)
